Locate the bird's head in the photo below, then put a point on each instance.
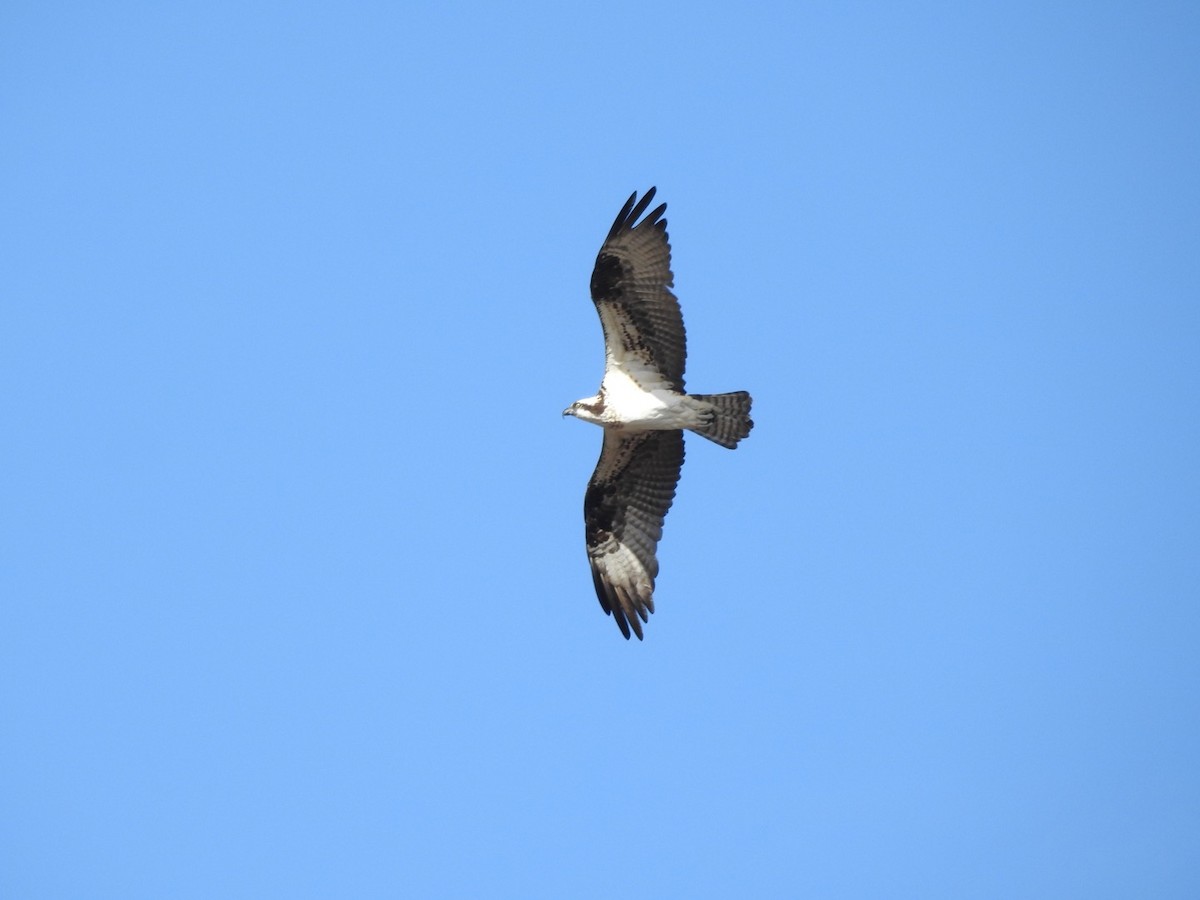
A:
(589, 410)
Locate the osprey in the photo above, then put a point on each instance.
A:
(643, 410)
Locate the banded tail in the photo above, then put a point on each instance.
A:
(730, 417)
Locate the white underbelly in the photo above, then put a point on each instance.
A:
(629, 403)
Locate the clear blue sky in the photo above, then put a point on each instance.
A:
(294, 594)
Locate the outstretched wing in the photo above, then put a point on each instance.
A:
(631, 289)
(627, 499)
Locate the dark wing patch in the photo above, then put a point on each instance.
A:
(632, 278)
(628, 497)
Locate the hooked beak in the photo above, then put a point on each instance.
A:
(567, 412)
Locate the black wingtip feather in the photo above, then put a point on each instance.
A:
(622, 623)
(642, 206)
(623, 215)
(625, 621)
(610, 602)
(634, 624)
(632, 211)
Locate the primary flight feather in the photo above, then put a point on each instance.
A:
(644, 410)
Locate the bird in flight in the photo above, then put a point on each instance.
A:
(644, 410)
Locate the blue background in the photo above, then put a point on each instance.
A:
(294, 594)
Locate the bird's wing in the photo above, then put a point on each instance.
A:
(627, 499)
(643, 327)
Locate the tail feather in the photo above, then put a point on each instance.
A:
(730, 420)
